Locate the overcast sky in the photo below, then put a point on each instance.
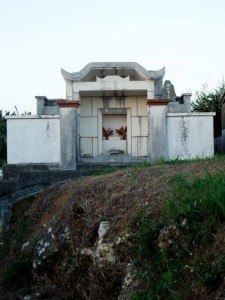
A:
(39, 37)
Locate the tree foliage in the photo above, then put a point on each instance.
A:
(2, 138)
(210, 101)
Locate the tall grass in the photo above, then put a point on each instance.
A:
(174, 247)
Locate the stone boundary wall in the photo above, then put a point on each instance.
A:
(190, 135)
(33, 139)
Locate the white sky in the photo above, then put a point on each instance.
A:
(39, 37)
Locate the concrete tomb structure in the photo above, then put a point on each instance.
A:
(113, 112)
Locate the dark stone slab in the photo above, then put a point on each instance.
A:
(168, 91)
(8, 186)
(92, 166)
(30, 178)
(5, 217)
(13, 171)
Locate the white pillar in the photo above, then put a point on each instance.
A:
(68, 133)
(157, 137)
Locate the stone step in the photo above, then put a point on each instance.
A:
(13, 171)
(92, 166)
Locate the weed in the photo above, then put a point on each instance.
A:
(133, 177)
(200, 202)
(134, 167)
(11, 239)
(178, 160)
(147, 234)
(18, 275)
(171, 246)
(107, 171)
(138, 166)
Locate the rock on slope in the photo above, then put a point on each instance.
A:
(53, 250)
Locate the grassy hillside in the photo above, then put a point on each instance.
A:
(166, 237)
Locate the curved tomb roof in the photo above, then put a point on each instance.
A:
(103, 69)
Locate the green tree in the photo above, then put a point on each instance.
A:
(3, 148)
(210, 101)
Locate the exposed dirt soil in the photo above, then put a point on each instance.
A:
(81, 205)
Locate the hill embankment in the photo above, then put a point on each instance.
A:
(146, 232)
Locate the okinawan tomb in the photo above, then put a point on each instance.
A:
(112, 112)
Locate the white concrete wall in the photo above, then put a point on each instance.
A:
(190, 135)
(32, 139)
(69, 89)
(112, 83)
(88, 126)
(137, 124)
(114, 143)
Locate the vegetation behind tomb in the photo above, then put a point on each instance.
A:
(209, 101)
(166, 236)
(2, 139)
(3, 135)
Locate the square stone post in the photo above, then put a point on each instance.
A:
(68, 133)
(40, 104)
(157, 131)
(187, 100)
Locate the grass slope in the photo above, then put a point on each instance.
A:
(169, 220)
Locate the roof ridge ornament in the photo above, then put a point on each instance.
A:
(103, 69)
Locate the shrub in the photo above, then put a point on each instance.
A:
(18, 275)
(206, 101)
(2, 139)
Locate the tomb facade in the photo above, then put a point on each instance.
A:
(112, 112)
